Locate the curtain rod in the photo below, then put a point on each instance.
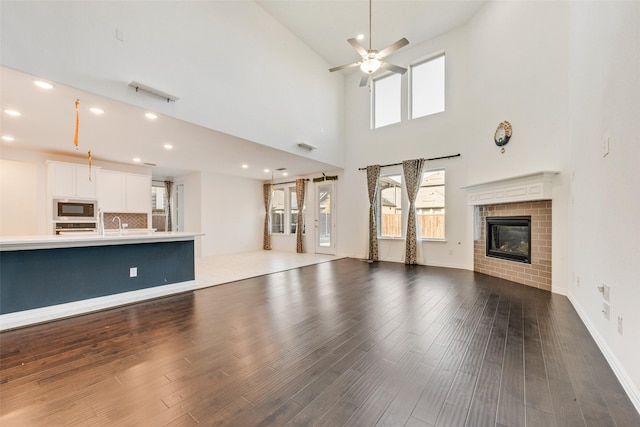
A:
(288, 182)
(433, 158)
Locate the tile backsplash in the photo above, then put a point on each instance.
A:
(134, 220)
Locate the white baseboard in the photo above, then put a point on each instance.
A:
(618, 369)
(46, 314)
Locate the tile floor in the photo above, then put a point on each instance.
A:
(216, 270)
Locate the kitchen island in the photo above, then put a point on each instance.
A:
(49, 277)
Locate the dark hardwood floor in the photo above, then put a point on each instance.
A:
(338, 343)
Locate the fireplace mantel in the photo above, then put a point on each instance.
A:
(521, 188)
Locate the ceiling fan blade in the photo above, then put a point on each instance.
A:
(343, 67)
(358, 47)
(392, 48)
(393, 68)
(364, 81)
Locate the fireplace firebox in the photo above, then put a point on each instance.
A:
(509, 237)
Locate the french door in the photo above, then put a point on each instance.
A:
(325, 218)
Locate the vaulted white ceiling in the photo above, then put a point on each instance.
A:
(326, 25)
(322, 25)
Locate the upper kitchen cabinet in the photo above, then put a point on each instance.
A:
(124, 192)
(138, 194)
(72, 181)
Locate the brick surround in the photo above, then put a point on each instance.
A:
(536, 274)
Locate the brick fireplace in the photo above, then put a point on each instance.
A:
(522, 196)
(536, 274)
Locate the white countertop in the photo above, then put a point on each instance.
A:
(19, 243)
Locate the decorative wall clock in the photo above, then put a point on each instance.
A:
(502, 135)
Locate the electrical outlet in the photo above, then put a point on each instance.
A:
(133, 272)
(620, 325)
(605, 310)
(606, 292)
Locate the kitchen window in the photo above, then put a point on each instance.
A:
(159, 206)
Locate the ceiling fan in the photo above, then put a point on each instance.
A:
(371, 59)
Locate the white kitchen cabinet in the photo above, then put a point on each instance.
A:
(138, 193)
(72, 181)
(124, 192)
(111, 187)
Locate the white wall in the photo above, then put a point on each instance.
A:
(18, 198)
(232, 214)
(230, 62)
(605, 208)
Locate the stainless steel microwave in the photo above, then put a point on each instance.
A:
(71, 210)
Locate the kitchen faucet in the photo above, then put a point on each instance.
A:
(119, 223)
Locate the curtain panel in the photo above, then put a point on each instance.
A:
(413, 178)
(373, 182)
(168, 185)
(300, 227)
(266, 235)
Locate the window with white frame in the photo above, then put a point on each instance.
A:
(430, 206)
(427, 87)
(277, 211)
(390, 209)
(284, 211)
(293, 212)
(159, 207)
(386, 100)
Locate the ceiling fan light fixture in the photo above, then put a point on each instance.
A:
(370, 66)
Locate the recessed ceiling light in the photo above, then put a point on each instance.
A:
(285, 174)
(360, 37)
(96, 110)
(136, 159)
(245, 166)
(151, 116)
(43, 85)
(168, 146)
(266, 170)
(13, 113)
(8, 138)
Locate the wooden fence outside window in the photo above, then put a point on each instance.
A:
(431, 225)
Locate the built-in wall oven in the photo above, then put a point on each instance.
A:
(75, 216)
(69, 228)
